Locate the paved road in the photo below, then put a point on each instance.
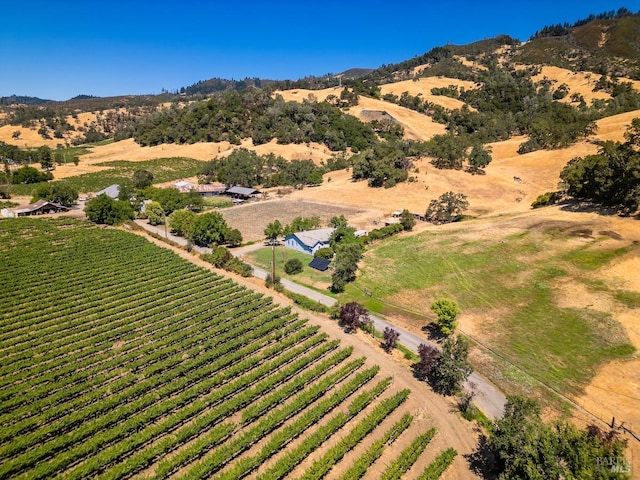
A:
(489, 399)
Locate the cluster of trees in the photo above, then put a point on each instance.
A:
(205, 230)
(383, 165)
(57, 192)
(246, 167)
(25, 174)
(104, 210)
(447, 369)
(611, 177)
(255, 114)
(522, 445)
(221, 257)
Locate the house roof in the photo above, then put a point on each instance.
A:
(310, 238)
(111, 191)
(238, 190)
(37, 206)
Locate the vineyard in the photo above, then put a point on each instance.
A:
(121, 360)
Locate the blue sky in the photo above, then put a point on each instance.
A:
(60, 49)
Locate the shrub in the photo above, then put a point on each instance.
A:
(326, 252)
(390, 336)
(293, 266)
(546, 199)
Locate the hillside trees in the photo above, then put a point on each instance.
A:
(385, 164)
(253, 113)
(27, 174)
(611, 177)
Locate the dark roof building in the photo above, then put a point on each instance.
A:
(242, 192)
(39, 208)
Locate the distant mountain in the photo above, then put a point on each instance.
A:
(22, 100)
(354, 73)
(608, 43)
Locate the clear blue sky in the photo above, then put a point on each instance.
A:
(59, 49)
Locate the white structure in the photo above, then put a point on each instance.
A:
(112, 191)
(309, 241)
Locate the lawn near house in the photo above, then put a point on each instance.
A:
(309, 276)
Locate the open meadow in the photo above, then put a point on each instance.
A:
(121, 360)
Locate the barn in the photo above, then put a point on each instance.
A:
(39, 208)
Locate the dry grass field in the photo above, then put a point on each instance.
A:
(252, 218)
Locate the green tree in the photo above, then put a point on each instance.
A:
(293, 266)
(479, 158)
(45, 158)
(233, 237)
(447, 208)
(407, 220)
(448, 150)
(104, 210)
(337, 222)
(273, 230)
(209, 229)
(181, 222)
(27, 174)
(447, 312)
(453, 366)
(57, 192)
(142, 178)
(154, 213)
(345, 265)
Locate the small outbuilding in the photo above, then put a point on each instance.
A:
(243, 193)
(204, 190)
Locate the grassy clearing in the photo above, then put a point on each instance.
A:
(121, 171)
(510, 281)
(308, 276)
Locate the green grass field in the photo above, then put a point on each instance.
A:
(308, 276)
(512, 282)
(121, 171)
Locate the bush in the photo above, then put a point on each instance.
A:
(546, 199)
(293, 266)
(326, 252)
(272, 282)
